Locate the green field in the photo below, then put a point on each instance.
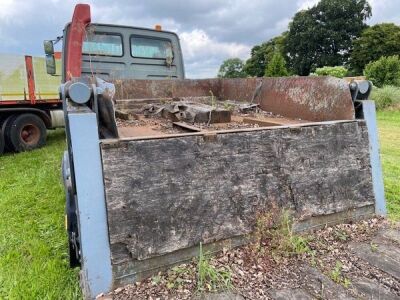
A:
(33, 247)
(389, 133)
(33, 244)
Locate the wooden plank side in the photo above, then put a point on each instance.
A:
(169, 194)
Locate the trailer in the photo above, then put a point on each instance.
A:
(29, 102)
(156, 167)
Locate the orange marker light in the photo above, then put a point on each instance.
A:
(158, 27)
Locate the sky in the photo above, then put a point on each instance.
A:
(210, 30)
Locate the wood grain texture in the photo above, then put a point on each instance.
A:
(169, 194)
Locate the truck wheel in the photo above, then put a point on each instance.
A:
(5, 127)
(1, 142)
(26, 132)
(72, 229)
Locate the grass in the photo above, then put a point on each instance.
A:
(276, 227)
(209, 277)
(337, 275)
(389, 134)
(33, 243)
(386, 97)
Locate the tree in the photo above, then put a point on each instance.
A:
(375, 42)
(262, 54)
(277, 66)
(323, 35)
(232, 68)
(384, 71)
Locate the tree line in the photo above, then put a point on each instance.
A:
(332, 33)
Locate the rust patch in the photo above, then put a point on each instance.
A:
(307, 98)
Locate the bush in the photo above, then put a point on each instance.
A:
(388, 96)
(384, 71)
(277, 66)
(338, 71)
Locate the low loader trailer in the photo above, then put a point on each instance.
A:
(156, 167)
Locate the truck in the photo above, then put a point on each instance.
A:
(29, 102)
(154, 168)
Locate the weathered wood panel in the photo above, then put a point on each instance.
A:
(169, 194)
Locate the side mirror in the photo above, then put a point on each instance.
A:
(48, 47)
(50, 60)
(50, 64)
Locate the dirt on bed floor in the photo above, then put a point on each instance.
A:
(139, 123)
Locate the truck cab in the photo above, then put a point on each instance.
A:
(113, 52)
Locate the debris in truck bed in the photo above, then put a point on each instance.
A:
(189, 111)
(329, 269)
(193, 115)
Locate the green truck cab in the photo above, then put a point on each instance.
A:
(121, 52)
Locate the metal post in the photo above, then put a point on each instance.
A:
(369, 113)
(96, 273)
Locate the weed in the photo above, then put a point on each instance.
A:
(229, 106)
(213, 100)
(341, 235)
(337, 276)
(374, 247)
(176, 276)
(313, 261)
(346, 282)
(276, 228)
(170, 285)
(156, 279)
(210, 278)
(336, 273)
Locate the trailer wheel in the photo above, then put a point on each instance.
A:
(26, 132)
(1, 142)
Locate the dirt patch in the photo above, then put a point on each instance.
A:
(258, 274)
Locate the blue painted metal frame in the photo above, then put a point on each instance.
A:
(96, 270)
(369, 113)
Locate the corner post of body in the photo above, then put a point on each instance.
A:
(87, 174)
(369, 115)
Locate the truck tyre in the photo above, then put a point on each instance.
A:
(1, 142)
(5, 127)
(26, 132)
(72, 229)
(70, 214)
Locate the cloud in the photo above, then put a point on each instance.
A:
(203, 55)
(210, 30)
